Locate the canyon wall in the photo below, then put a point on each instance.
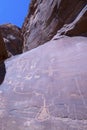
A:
(46, 18)
(45, 88)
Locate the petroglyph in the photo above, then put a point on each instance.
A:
(50, 71)
(53, 59)
(33, 66)
(37, 76)
(47, 94)
(79, 90)
(2, 113)
(28, 77)
(27, 123)
(43, 114)
(20, 91)
(2, 103)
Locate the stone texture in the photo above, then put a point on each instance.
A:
(78, 27)
(45, 18)
(46, 88)
(3, 56)
(13, 38)
(49, 90)
(3, 52)
(2, 71)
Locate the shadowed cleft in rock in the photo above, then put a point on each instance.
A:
(3, 56)
(2, 72)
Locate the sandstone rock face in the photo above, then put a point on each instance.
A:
(49, 90)
(3, 56)
(45, 18)
(78, 27)
(13, 38)
(45, 88)
(3, 52)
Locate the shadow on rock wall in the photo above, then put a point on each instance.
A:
(2, 72)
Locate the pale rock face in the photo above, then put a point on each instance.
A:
(46, 88)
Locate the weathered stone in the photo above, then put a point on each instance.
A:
(3, 56)
(48, 91)
(46, 88)
(45, 18)
(13, 38)
(2, 71)
(78, 27)
(3, 52)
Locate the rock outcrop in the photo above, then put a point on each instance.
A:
(48, 91)
(45, 18)
(3, 51)
(3, 56)
(78, 27)
(46, 88)
(13, 38)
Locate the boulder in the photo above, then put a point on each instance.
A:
(13, 38)
(48, 91)
(45, 88)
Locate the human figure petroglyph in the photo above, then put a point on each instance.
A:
(79, 90)
(43, 114)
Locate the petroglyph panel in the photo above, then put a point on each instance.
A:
(50, 93)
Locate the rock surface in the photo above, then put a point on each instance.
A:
(3, 56)
(13, 38)
(78, 27)
(3, 52)
(45, 18)
(45, 88)
(49, 90)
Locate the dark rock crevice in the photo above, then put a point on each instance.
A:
(2, 72)
(3, 56)
(80, 28)
(3, 51)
